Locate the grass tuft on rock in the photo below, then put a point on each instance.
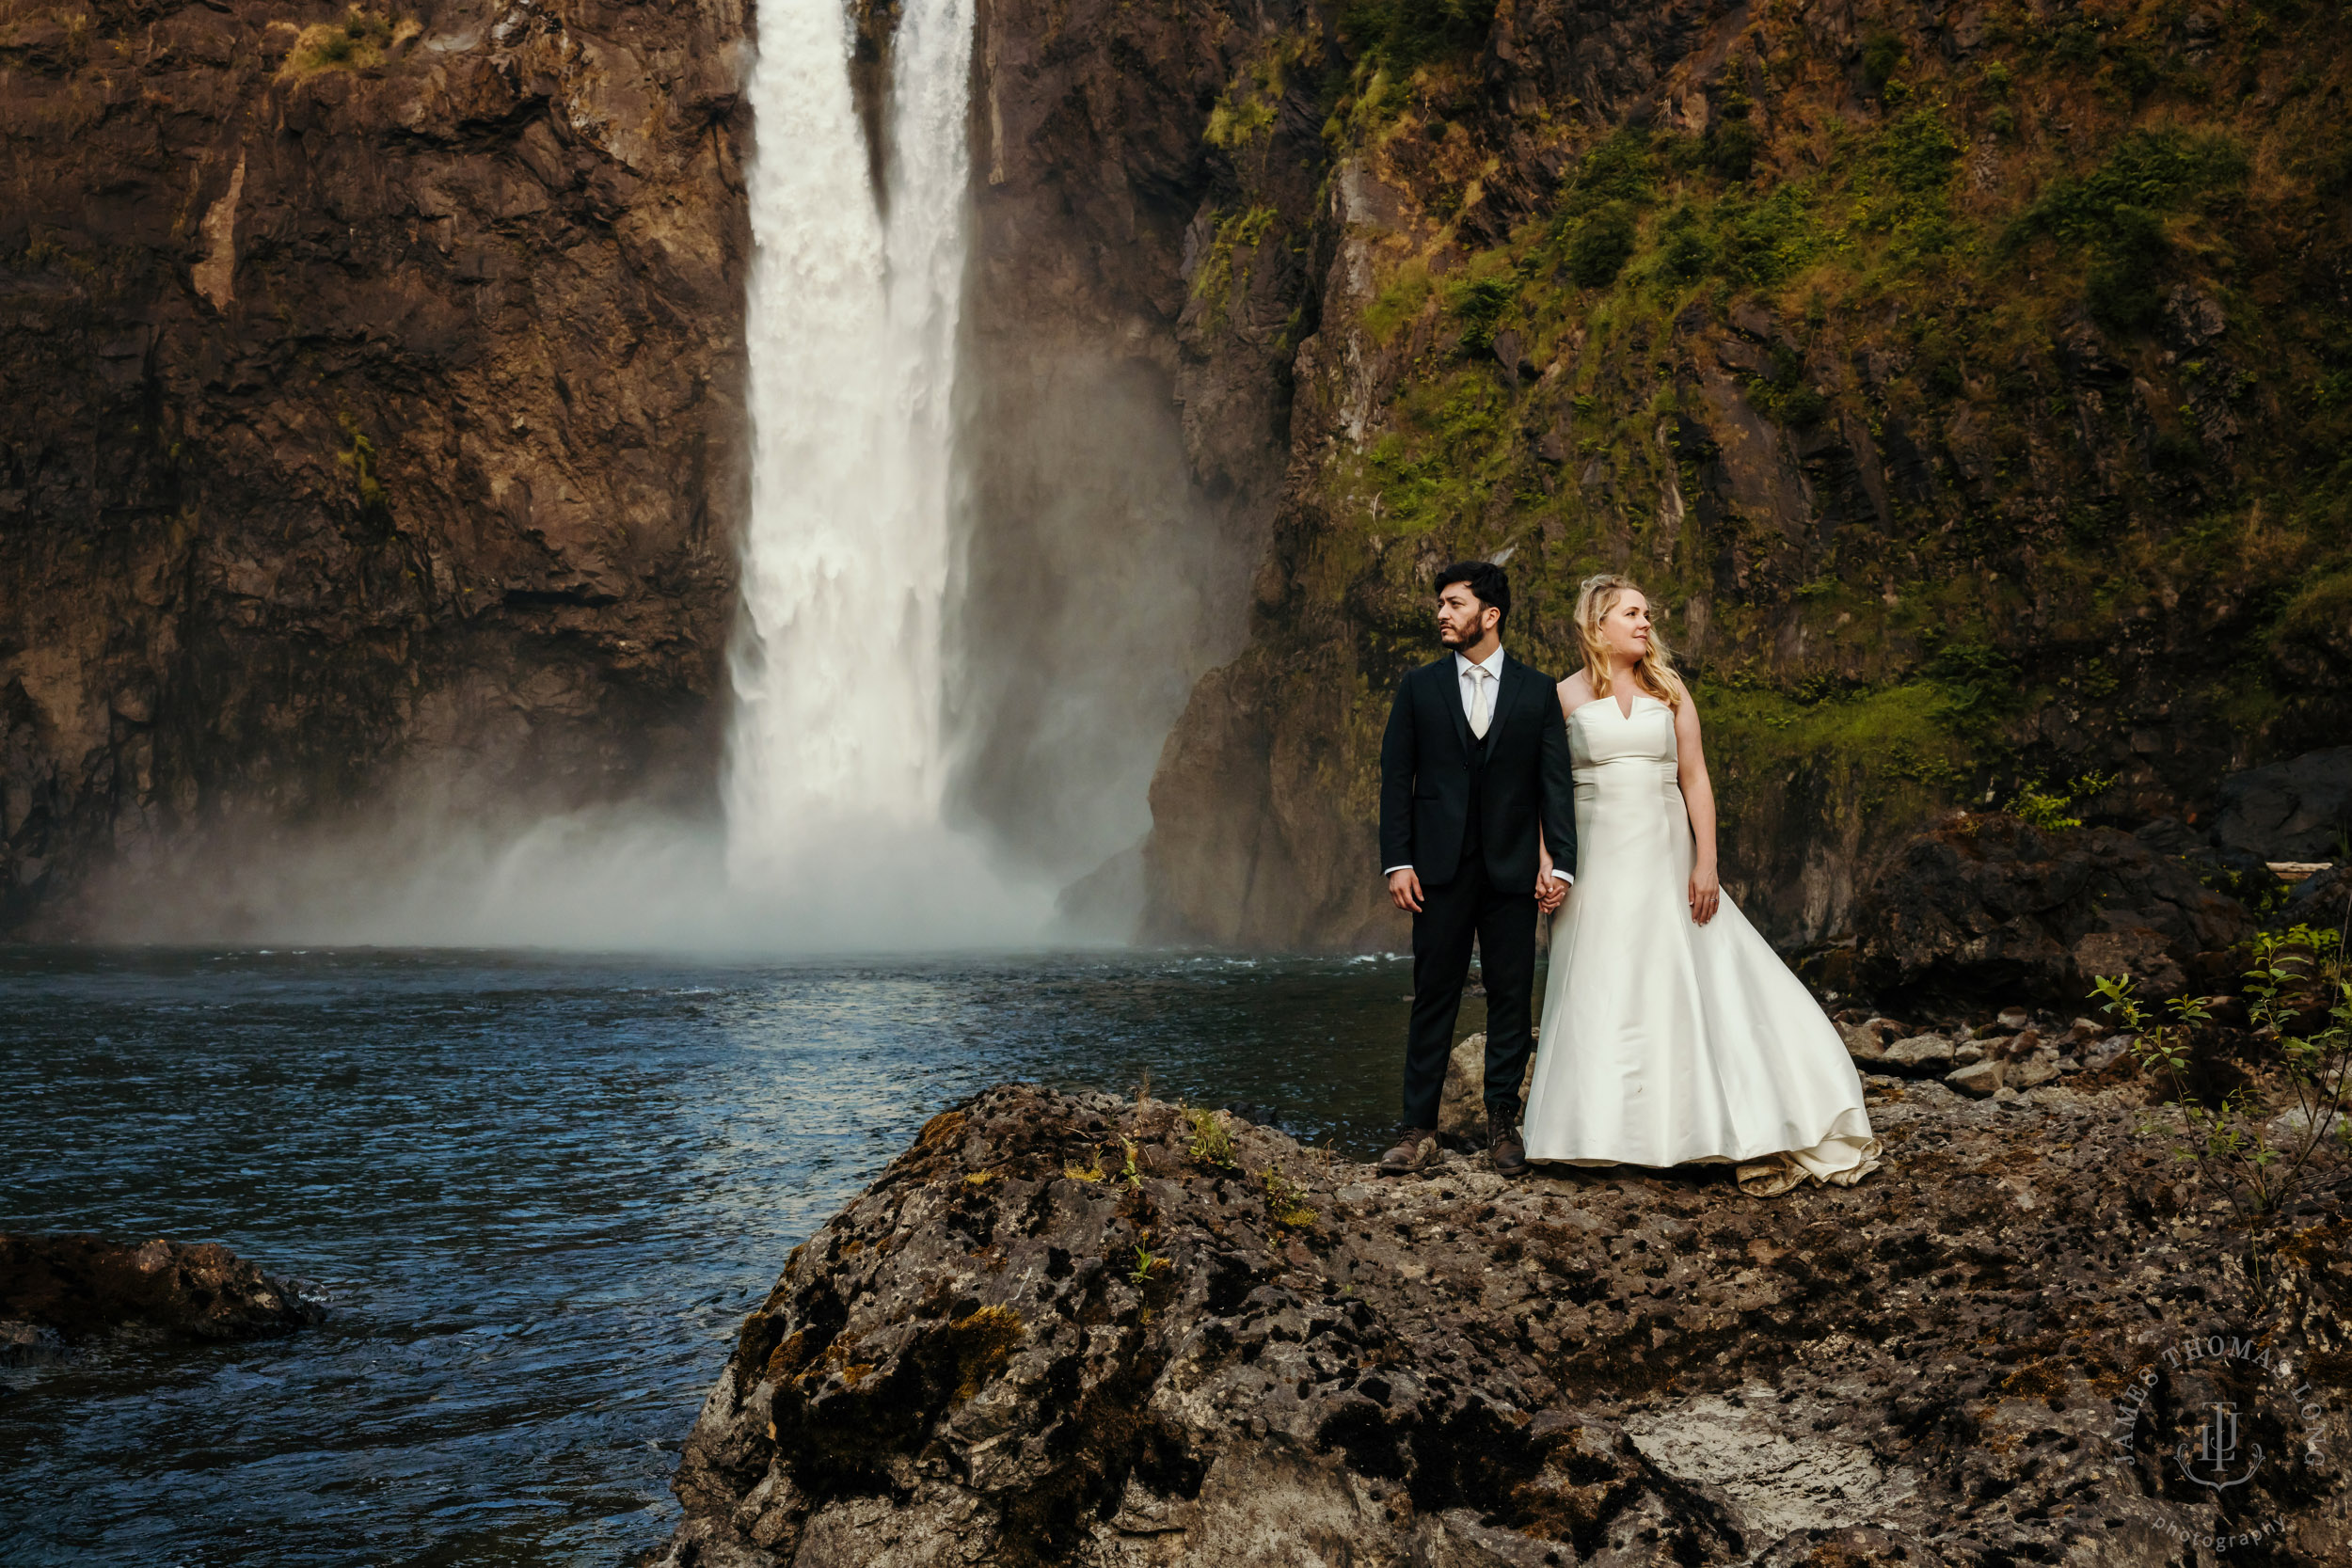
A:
(361, 39)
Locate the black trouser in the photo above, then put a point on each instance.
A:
(1504, 925)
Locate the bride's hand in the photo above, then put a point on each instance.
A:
(1706, 893)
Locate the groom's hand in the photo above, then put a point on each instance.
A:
(1405, 889)
(1550, 894)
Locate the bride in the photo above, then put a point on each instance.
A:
(1672, 1032)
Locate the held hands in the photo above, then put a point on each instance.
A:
(1551, 891)
(1405, 889)
(1706, 893)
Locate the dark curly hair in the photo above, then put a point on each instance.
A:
(1485, 580)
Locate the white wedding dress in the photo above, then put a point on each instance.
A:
(1664, 1041)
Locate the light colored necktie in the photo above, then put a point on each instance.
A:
(1479, 716)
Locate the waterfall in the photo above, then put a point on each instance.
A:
(837, 765)
(907, 660)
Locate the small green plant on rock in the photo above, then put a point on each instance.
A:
(1882, 56)
(2046, 806)
(360, 40)
(1285, 1205)
(1212, 1140)
(1602, 246)
(1146, 1262)
(358, 460)
(1478, 302)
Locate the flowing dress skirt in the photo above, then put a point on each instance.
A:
(1665, 1041)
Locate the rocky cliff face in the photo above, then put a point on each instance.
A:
(1966, 379)
(376, 383)
(1069, 1329)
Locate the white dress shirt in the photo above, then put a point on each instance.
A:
(1492, 664)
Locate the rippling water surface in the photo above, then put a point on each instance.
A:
(542, 1192)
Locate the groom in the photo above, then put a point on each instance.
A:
(1476, 753)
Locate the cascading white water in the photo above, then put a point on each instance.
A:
(851, 332)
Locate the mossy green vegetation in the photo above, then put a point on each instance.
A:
(1213, 281)
(979, 1342)
(1285, 1205)
(1915, 419)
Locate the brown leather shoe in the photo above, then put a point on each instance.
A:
(1415, 1147)
(1507, 1150)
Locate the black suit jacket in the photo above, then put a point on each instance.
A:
(1426, 777)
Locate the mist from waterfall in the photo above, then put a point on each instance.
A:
(837, 763)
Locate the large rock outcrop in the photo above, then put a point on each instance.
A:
(2296, 810)
(1988, 906)
(1073, 1329)
(376, 382)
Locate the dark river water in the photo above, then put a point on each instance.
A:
(541, 1190)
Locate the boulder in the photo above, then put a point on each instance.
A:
(1002, 1354)
(2292, 1129)
(1987, 903)
(70, 1289)
(2011, 1048)
(2097, 1058)
(2297, 809)
(1866, 1042)
(2139, 952)
(2323, 898)
(2032, 1071)
(1462, 1103)
(1918, 1057)
(1979, 1080)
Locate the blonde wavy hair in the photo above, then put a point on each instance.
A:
(1598, 595)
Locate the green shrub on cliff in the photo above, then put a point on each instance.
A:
(2159, 171)
(1602, 247)
(2114, 212)
(1402, 34)
(1918, 151)
(1478, 299)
